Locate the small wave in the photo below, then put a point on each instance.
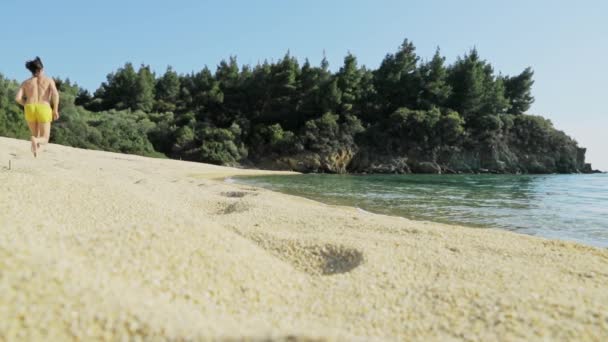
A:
(363, 211)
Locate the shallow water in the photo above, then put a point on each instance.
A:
(567, 207)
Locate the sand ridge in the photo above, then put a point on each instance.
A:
(99, 245)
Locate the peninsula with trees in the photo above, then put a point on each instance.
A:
(410, 115)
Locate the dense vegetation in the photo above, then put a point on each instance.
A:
(409, 115)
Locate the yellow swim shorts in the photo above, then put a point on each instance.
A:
(38, 112)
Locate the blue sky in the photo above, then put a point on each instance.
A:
(565, 42)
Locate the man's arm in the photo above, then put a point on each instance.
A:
(55, 100)
(19, 96)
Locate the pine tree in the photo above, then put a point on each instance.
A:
(397, 80)
(330, 97)
(467, 79)
(519, 91)
(144, 91)
(349, 79)
(495, 101)
(167, 91)
(367, 108)
(308, 93)
(228, 79)
(258, 93)
(435, 89)
(283, 87)
(207, 96)
(119, 90)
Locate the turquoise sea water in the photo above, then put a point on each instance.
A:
(567, 207)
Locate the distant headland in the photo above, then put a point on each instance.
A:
(408, 116)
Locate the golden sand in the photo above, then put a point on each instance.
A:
(97, 245)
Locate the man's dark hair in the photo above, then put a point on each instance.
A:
(34, 66)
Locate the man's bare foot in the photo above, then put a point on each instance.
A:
(34, 146)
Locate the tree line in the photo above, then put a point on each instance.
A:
(268, 114)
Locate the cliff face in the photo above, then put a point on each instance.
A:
(500, 157)
(311, 162)
(495, 159)
(505, 155)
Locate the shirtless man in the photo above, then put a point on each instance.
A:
(36, 95)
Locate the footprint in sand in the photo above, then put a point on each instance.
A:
(234, 208)
(236, 194)
(315, 259)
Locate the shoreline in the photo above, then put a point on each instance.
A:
(156, 248)
(320, 196)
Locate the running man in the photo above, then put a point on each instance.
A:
(36, 95)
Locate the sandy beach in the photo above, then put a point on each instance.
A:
(105, 246)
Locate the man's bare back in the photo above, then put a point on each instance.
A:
(39, 89)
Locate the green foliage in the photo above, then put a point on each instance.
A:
(328, 133)
(518, 90)
(450, 128)
(535, 133)
(184, 140)
(144, 91)
(281, 102)
(12, 123)
(397, 80)
(167, 91)
(124, 131)
(550, 150)
(495, 100)
(415, 127)
(415, 131)
(201, 95)
(348, 81)
(272, 140)
(126, 89)
(162, 134)
(221, 146)
(435, 90)
(468, 80)
(119, 90)
(274, 134)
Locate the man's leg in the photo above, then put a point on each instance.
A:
(34, 133)
(44, 133)
(33, 128)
